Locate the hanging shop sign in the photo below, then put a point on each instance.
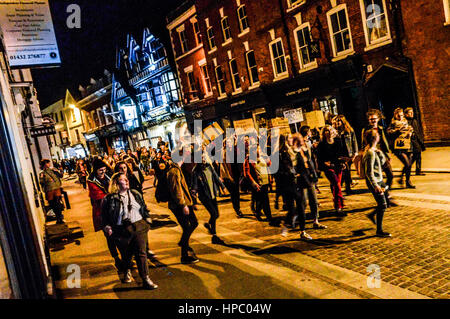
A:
(315, 119)
(28, 34)
(314, 50)
(294, 116)
(42, 131)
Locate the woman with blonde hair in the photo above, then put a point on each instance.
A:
(126, 219)
(400, 133)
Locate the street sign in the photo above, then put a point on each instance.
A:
(42, 131)
(294, 116)
(28, 34)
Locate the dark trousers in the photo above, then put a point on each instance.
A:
(387, 169)
(83, 181)
(112, 247)
(295, 208)
(335, 176)
(417, 158)
(382, 203)
(406, 159)
(188, 223)
(213, 210)
(56, 206)
(347, 176)
(134, 244)
(262, 201)
(311, 194)
(233, 188)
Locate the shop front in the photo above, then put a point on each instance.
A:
(78, 151)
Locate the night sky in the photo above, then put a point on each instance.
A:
(87, 51)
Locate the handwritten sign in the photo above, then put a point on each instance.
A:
(294, 116)
(244, 126)
(315, 119)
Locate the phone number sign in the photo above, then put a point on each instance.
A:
(28, 33)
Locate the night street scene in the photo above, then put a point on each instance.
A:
(225, 158)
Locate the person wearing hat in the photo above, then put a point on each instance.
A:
(50, 180)
(98, 183)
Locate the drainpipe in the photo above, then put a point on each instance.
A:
(288, 38)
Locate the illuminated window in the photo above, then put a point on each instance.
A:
(375, 21)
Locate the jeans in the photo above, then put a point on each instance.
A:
(213, 210)
(335, 176)
(406, 159)
(188, 223)
(295, 207)
(135, 244)
(262, 201)
(311, 194)
(382, 200)
(233, 188)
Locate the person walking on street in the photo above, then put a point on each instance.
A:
(82, 172)
(330, 162)
(50, 180)
(181, 205)
(417, 140)
(373, 160)
(126, 220)
(400, 133)
(206, 184)
(373, 117)
(349, 145)
(98, 184)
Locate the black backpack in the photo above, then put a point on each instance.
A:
(162, 192)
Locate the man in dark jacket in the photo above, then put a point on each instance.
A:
(50, 180)
(373, 117)
(416, 140)
(206, 183)
(181, 205)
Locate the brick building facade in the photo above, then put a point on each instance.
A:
(259, 56)
(427, 43)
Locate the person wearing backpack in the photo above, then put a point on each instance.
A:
(181, 205)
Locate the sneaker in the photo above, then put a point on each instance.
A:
(371, 216)
(304, 235)
(189, 260)
(340, 212)
(127, 278)
(319, 226)
(284, 231)
(409, 185)
(383, 234)
(150, 254)
(148, 284)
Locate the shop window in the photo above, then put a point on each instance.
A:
(206, 80)
(242, 19)
(375, 21)
(220, 81)
(252, 67)
(278, 59)
(198, 36)
(302, 41)
(183, 41)
(235, 75)
(225, 29)
(329, 105)
(192, 87)
(211, 41)
(341, 38)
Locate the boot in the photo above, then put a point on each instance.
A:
(380, 232)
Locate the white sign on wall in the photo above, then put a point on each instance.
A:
(28, 33)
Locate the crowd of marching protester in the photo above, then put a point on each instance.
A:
(119, 210)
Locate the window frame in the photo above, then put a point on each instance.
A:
(250, 76)
(312, 63)
(295, 5)
(197, 33)
(381, 41)
(206, 79)
(225, 40)
(335, 10)
(285, 74)
(219, 90)
(233, 75)
(183, 49)
(240, 19)
(211, 48)
(446, 4)
(192, 86)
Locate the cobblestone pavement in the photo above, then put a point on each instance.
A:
(415, 258)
